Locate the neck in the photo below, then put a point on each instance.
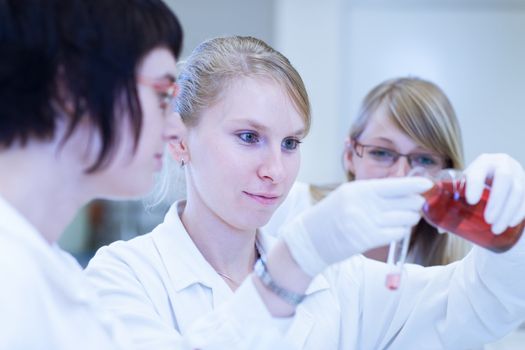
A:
(230, 251)
(40, 188)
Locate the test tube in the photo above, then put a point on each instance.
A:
(396, 261)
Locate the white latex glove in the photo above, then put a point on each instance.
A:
(356, 217)
(506, 203)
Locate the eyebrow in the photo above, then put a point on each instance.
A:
(257, 126)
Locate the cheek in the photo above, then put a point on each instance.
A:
(364, 172)
(357, 167)
(216, 162)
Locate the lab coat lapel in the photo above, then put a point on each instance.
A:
(194, 288)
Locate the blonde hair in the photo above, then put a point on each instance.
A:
(207, 73)
(217, 62)
(421, 110)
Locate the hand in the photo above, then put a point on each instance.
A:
(506, 204)
(356, 217)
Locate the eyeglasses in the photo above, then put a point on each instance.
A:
(385, 157)
(166, 88)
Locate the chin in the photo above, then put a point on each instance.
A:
(258, 221)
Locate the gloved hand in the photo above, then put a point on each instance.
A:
(506, 204)
(356, 217)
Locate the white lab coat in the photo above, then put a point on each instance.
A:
(461, 306)
(45, 301)
(160, 284)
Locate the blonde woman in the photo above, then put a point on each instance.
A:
(244, 111)
(402, 123)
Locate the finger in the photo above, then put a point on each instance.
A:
(499, 196)
(512, 208)
(402, 186)
(395, 233)
(475, 176)
(399, 218)
(412, 202)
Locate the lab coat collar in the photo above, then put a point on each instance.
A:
(185, 263)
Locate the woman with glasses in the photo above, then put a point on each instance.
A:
(403, 123)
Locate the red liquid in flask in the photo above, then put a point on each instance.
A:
(447, 208)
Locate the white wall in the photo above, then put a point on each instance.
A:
(473, 50)
(204, 19)
(309, 33)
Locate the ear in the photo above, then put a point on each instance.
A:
(177, 144)
(348, 156)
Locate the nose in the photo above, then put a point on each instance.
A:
(272, 168)
(400, 168)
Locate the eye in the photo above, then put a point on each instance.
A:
(248, 137)
(164, 99)
(381, 153)
(166, 90)
(425, 160)
(290, 144)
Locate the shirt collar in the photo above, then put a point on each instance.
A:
(184, 262)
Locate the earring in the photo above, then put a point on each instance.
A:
(182, 162)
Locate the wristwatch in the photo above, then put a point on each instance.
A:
(288, 296)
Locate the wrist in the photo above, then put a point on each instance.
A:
(286, 273)
(290, 297)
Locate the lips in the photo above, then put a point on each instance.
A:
(264, 198)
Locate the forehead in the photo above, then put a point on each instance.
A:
(158, 62)
(380, 123)
(260, 99)
(381, 126)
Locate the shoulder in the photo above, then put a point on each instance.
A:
(131, 255)
(299, 193)
(18, 264)
(23, 283)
